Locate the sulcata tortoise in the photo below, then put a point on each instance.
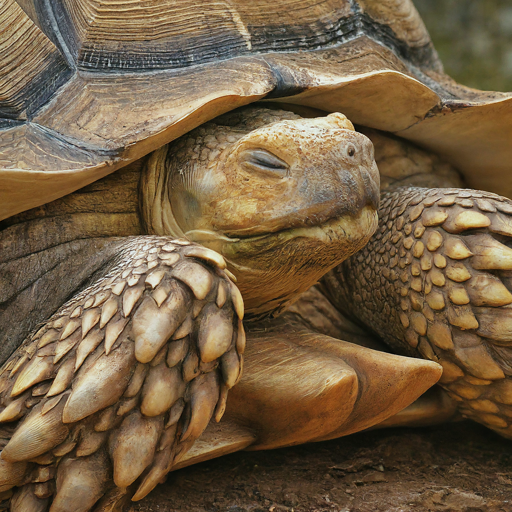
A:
(123, 293)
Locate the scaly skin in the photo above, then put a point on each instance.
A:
(434, 282)
(112, 391)
(122, 380)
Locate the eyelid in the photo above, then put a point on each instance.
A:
(264, 161)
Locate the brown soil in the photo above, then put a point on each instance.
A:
(458, 467)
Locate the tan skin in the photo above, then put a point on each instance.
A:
(132, 369)
(289, 201)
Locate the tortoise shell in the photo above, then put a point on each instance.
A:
(88, 86)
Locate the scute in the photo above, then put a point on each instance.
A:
(27, 78)
(112, 82)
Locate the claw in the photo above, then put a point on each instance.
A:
(230, 365)
(160, 467)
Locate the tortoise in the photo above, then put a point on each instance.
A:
(121, 320)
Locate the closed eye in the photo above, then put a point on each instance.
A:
(263, 161)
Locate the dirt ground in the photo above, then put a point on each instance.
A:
(459, 467)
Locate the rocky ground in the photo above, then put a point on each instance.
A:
(459, 467)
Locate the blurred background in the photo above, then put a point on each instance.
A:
(473, 39)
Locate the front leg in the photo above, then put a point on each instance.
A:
(115, 388)
(435, 281)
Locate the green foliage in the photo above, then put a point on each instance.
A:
(473, 39)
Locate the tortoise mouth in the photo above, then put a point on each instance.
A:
(346, 227)
(302, 224)
(311, 218)
(347, 230)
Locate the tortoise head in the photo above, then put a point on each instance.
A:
(283, 198)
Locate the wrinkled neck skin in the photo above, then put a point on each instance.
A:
(282, 198)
